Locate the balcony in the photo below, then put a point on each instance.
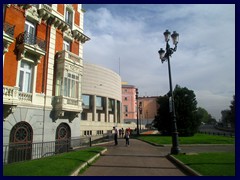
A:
(69, 68)
(8, 36)
(30, 47)
(66, 107)
(10, 95)
(68, 56)
(68, 104)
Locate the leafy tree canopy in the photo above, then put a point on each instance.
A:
(186, 112)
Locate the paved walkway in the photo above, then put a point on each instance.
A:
(138, 159)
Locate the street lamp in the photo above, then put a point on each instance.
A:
(166, 57)
(137, 110)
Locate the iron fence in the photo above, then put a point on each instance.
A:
(28, 151)
(8, 29)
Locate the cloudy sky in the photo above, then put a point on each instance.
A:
(126, 38)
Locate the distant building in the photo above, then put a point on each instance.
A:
(129, 103)
(101, 90)
(148, 107)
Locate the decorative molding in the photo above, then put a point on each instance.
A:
(67, 34)
(32, 13)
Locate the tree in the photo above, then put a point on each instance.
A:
(232, 112)
(228, 116)
(162, 121)
(204, 116)
(186, 112)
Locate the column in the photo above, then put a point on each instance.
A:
(106, 110)
(94, 108)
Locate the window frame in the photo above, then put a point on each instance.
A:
(71, 85)
(69, 16)
(24, 85)
(30, 36)
(66, 45)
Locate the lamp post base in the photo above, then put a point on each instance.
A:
(175, 147)
(175, 150)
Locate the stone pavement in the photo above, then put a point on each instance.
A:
(138, 159)
(143, 159)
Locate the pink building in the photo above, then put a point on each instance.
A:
(129, 102)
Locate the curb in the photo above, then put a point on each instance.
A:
(154, 144)
(183, 166)
(76, 172)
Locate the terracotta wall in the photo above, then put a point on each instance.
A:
(60, 8)
(10, 62)
(41, 34)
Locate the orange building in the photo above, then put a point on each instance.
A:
(148, 107)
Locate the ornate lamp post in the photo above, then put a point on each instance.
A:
(137, 111)
(166, 57)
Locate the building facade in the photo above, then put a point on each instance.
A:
(42, 72)
(101, 90)
(148, 107)
(129, 103)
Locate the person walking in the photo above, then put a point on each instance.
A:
(115, 135)
(122, 133)
(127, 136)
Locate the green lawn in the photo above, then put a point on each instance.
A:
(59, 165)
(210, 164)
(196, 139)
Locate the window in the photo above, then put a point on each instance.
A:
(25, 77)
(111, 104)
(69, 17)
(86, 100)
(29, 36)
(125, 108)
(99, 102)
(66, 45)
(126, 98)
(71, 85)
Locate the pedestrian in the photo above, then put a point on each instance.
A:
(115, 135)
(122, 132)
(127, 136)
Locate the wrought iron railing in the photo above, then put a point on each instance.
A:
(30, 39)
(8, 29)
(22, 152)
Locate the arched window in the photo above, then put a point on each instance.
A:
(20, 145)
(63, 138)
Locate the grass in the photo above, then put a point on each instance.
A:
(59, 165)
(196, 139)
(210, 164)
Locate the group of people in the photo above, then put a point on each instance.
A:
(121, 133)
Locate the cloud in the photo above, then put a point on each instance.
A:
(126, 39)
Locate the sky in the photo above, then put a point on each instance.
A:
(126, 38)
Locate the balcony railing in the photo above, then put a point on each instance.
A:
(25, 97)
(8, 29)
(68, 55)
(30, 39)
(63, 100)
(10, 95)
